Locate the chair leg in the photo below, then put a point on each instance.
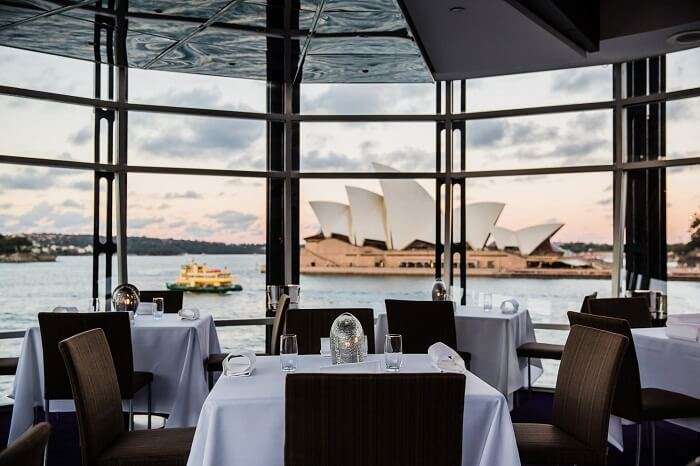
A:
(639, 444)
(210, 378)
(653, 443)
(529, 378)
(131, 415)
(150, 404)
(47, 409)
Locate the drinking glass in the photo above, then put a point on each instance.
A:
(393, 352)
(94, 305)
(158, 308)
(289, 352)
(488, 302)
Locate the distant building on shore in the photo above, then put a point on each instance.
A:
(396, 230)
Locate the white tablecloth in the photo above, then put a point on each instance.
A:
(491, 338)
(242, 421)
(173, 349)
(664, 363)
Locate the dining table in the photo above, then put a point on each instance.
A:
(492, 338)
(243, 419)
(173, 349)
(668, 363)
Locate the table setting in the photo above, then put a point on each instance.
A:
(491, 336)
(242, 420)
(171, 346)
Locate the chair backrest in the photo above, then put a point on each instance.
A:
(373, 419)
(278, 325)
(588, 297)
(422, 323)
(633, 310)
(56, 327)
(93, 379)
(627, 402)
(172, 299)
(310, 325)
(586, 383)
(28, 449)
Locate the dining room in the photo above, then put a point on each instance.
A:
(337, 232)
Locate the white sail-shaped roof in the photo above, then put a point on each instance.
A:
(481, 218)
(505, 238)
(531, 237)
(334, 217)
(410, 210)
(367, 216)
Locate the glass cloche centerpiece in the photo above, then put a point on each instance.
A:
(125, 298)
(347, 340)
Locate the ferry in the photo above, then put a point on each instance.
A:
(198, 278)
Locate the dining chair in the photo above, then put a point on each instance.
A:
(422, 323)
(310, 325)
(116, 325)
(582, 400)
(29, 448)
(214, 363)
(98, 406)
(644, 406)
(536, 350)
(633, 310)
(8, 366)
(374, 419)
(172, 299)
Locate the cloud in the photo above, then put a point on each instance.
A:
(315, 160)
(580, 80)
(211, 137)
(483, 133)
(199, 98)
(186, 195)
(45, 216)
(5, 206)
(83, 135)
(137, 223)
(366, 99)
(71, 204)
(234, 221)
(82, 185)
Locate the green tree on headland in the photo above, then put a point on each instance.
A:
(13, 244)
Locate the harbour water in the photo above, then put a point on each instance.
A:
(30, 288)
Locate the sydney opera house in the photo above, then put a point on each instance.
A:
(379, 234)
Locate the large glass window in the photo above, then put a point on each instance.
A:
(367, 99)
(683, 69)
(682, 125)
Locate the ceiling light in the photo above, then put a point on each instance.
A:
(365, 70)
(456, 9)
(685, 38)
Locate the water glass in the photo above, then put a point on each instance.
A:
(289, 352)
(393, 352)
(488, 302)
(158, 308)
(94, 305)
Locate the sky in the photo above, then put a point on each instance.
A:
(233, 209)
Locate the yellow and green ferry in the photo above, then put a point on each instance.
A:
(198, 278)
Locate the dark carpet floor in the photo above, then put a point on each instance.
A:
(675, 446)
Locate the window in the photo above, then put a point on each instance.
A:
(367, 99)
(683, 69)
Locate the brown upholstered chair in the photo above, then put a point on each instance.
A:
(310, 325)
(422, 323)
(8, 366)
(632, 402)
(98, 406)
(633, 310)
(374, 419)
(538, 350)
(29, 448)
(172, 299)
(582, 400)
(59, 326)
(214, 362)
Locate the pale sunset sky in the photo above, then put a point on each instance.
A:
(233, 210)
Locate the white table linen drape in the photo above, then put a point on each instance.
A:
(173, 349)
(492, 339)
(242, 421)
(665, 363)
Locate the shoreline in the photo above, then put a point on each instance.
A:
(590, 274)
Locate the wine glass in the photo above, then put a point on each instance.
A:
(289, 352)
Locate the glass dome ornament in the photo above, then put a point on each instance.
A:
(125, 298)
(347, 340)
(440, 291)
